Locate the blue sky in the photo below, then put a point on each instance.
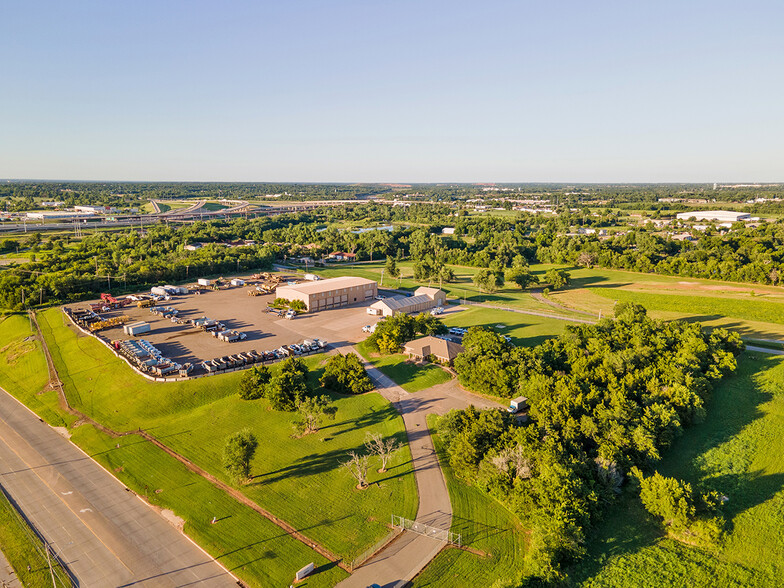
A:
(561, 91)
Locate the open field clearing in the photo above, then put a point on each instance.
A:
(410, 376)
(23, 370)
(246, 543)
(735, 451)
(754, 311)
(524, 329)
(486, 526)
(298, 480)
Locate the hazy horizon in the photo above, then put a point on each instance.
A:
(409, 92)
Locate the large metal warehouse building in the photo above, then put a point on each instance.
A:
(330, 293)
(727, 216)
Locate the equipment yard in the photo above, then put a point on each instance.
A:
(172, 332)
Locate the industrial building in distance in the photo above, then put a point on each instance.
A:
(330, 293)
(722, 216)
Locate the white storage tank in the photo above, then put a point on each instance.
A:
(159, 291)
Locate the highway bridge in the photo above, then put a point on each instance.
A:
(193, 213)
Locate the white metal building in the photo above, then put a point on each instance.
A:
(722, 216)
(423, 299)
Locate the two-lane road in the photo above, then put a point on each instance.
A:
(104, 534)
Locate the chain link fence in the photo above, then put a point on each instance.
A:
(423, 529)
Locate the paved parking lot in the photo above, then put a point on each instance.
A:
(238, 311)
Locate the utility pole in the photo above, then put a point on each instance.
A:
(51, 570)
(382, 276)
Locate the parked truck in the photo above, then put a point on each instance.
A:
(517, 404)
(135, 329)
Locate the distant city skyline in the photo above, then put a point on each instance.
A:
(404, 92)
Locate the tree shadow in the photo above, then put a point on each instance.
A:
(473, 531)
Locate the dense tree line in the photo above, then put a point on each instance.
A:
(63, 269)
(603, 398)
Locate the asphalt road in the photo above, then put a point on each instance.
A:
(105, 535)
(407, 555)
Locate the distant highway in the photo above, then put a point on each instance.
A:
(193, 213)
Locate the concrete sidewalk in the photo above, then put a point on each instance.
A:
(105, 535)
(8, 578)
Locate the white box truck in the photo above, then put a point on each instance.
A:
(204, 282)
(517, 404)
(311, 277)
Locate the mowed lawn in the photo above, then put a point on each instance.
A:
(298, 480)
(753, 310)
(23, 370)
(524, 329)
(484, 525)
(737, 450)
(410, 376)
(247, 544)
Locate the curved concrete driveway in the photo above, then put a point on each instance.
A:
(105, 535)
(405, 557)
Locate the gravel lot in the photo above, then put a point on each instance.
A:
(238, 311)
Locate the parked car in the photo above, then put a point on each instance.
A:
(437, 310)
(290, 314)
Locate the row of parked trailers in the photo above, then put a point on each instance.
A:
(253, 357)
(148, 358)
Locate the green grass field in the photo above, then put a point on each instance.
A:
(23, 370)
(752, 310)
(291, 475)
(22, 549)
(736, 451)
(524, 329)
(485, 526)
(462, 288)
(410, 376)
(246, 543)
(213, 206)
